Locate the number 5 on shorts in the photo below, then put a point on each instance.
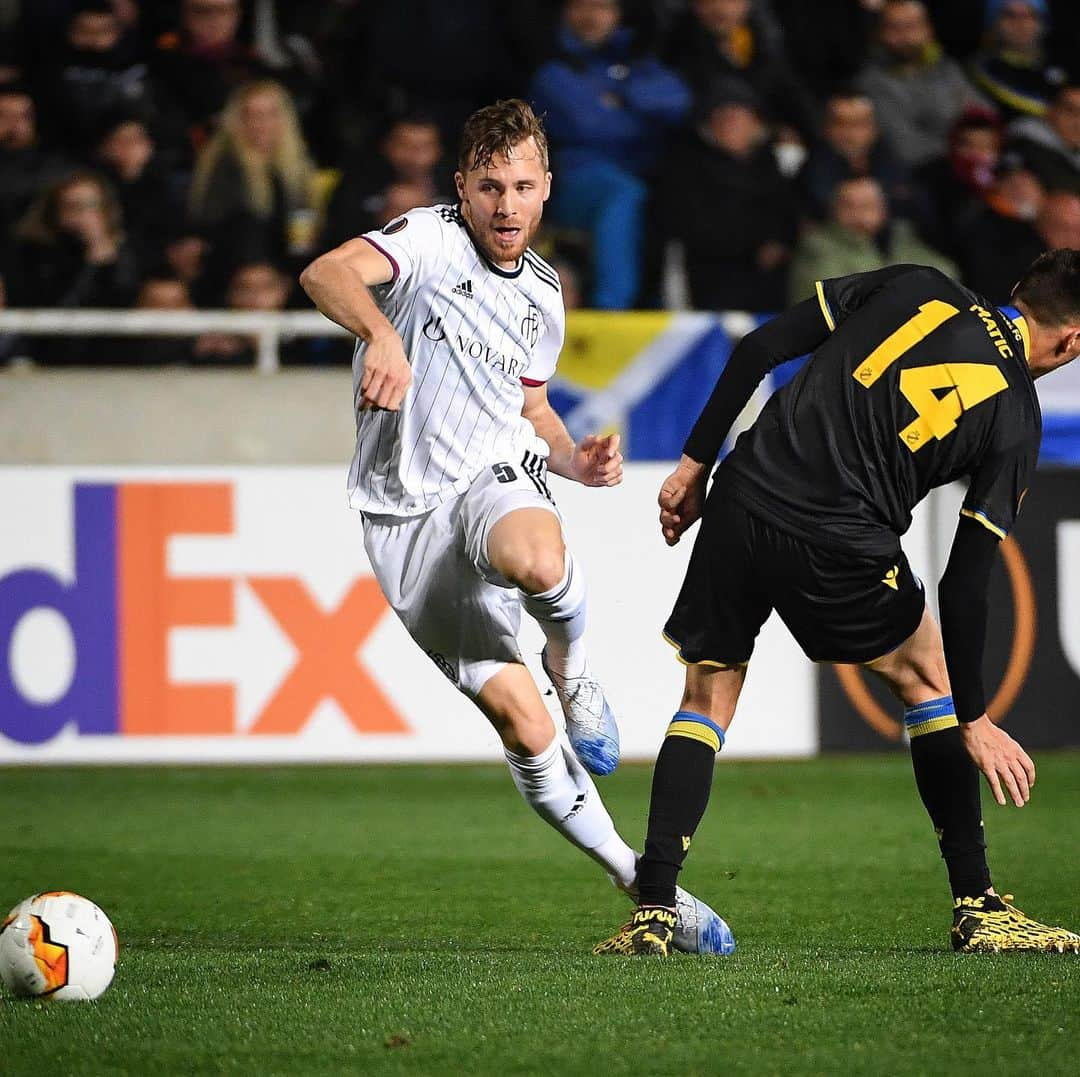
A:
(504, 473)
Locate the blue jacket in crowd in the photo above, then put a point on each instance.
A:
(607, 103)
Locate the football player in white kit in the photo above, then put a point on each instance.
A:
(459, 325)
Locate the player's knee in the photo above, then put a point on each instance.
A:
(525, 734)
(539, 569)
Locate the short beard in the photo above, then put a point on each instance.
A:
(494, 254)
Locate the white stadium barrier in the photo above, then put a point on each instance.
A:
(268, 327)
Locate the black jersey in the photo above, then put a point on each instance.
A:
(920, 382)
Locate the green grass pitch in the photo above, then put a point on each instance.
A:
(420, 920)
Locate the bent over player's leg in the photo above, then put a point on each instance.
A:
(946, 777)
(717, 615)
(526, 548)
(682, 781)
(949, 785)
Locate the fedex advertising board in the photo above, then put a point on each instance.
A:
(231, 615)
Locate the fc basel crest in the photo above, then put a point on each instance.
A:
(530, 326)
(394, 226)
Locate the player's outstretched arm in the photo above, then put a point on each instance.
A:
(338, 284)
(596, 461)
(796, 332)
(787, 336)
(963, 606)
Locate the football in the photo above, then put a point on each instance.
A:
(57, 945)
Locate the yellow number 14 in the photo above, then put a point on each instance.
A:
(967, 384)
(939, 394)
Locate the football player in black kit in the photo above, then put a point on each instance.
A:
(913, 382)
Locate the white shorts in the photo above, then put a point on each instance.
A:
(435, 573)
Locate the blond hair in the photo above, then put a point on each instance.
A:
(497, 129)
(289, 160)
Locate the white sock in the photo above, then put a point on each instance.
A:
(560, 613)
(558, 788)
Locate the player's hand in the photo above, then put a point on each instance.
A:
(387, 374)
(597, 461)
(1000, 759)
(681, 499)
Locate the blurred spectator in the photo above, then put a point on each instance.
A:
(992, 270)
(570, 282)
(96, 71)
(255, 286)
(163, 293)
(198, 66)
(721, 40)
(398, 199)
(723, 198)
(1015, 192)
(409, 153)
(1050, 147)
(159, 292)
(607, 105)
(997, 241)
(1012, 69)
(851, 145)
(25, 168)
(127, 155)
(952, 187)
(917, 90)
(73, 254)
(258, 286)
(186, 256)
(252, 184)
(1059, 220)
(858, 238)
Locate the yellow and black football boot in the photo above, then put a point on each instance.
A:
(989, 924)
(649, 932)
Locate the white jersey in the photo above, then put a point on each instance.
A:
(474, 334)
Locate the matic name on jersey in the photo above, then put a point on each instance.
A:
(474, 334)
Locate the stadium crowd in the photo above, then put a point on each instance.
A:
(724, 154)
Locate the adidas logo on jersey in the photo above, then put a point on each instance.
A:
(464, 288)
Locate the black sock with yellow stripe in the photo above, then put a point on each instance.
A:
(682, 781)
(948, 783)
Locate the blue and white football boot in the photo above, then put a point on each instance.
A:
(698, 928)
(590, 722)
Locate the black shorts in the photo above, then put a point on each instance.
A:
(840, 607)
